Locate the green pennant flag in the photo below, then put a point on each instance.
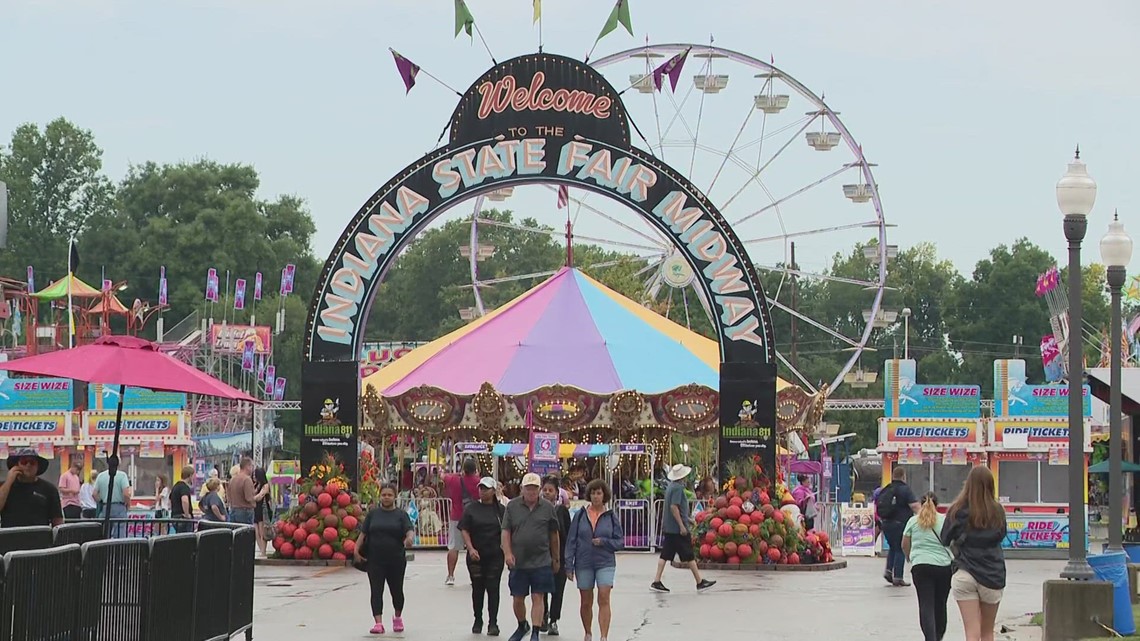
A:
(463, 18)
(620, 15)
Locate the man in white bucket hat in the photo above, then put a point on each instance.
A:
(676, 540)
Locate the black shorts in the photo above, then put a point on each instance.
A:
(677, 545)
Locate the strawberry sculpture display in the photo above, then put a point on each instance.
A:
(323, 523)
(753, 522)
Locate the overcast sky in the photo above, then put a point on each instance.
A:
(970, 110)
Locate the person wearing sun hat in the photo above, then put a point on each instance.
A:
(676, 539)
(25, 498)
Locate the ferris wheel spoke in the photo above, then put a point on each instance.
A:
(594, 210)
(510, 279)
(731, 150)
(816, 275)
(756, 174)
(796, 372)
(811, 232)
(802, 190)
(766, 135)
(814, 323)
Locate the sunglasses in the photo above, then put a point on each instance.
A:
(28, 461)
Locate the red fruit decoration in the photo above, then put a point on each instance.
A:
(773, 554)
(299, 535)
(303, 554)
(716, 554)
(725, 530)
(312, 525)
(339, 556)
(716, 522)
(733, 512)
(701, 516)
(731, 494)
(344, 500)
(324, 511)
(710, 537)
(704, 554)
(330, 534)
(310, 509)
(333, 489)
(730, 548)
(349, 546)
(778, 516)
(325, 520)
(753, 530)
(734, 560)
(286, 550)
(736, 500)
(317, 490)
(324, 500)
(349, 523)
(288, 529)
(764, 500)
(744, 551)
(745, 519)
(278, 542)
(720, 502)
(302, 498)
(794, 558)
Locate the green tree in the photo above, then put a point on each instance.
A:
(56, 187)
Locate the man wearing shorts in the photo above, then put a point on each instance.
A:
(530, 546)
(676, 541)
(461, 490)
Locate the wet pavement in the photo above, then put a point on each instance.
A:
(853, 604)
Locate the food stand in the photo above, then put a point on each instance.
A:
(1029, 455)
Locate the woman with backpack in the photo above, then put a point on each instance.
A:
(929, 567)
(482, 527)
(595, 535)
(895, 505)
(974, 530)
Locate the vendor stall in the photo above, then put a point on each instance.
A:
(1029, 456)
(934, 431)
(37, 413)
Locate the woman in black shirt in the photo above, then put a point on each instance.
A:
(262, 513)
(482, 527)
(385, 533)
(974, 531)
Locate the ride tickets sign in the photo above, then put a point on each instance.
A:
(32, 426)
(941, 432)
(1036, 531)
(101, 425)
(1043, 432)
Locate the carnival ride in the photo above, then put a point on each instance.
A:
(784, 170)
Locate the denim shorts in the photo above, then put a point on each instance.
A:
(589, 578)
(525, 581)
(241, 515)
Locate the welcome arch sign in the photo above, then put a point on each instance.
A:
(539, 118)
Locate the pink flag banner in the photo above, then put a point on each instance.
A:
(279, 389)
(257, 286)
(247, 357)
(107, 284)
(239, 293)
(261, 367)
(162, 272)
(31, 280)
(212, 285)
(672, 68)
(270, 376)
(162, 293)
(408, 70)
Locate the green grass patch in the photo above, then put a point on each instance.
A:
(1037, 619)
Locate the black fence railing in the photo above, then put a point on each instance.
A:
(71, 585)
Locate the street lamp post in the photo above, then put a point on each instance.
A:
(906, 332)
(1076, 194)
(1115, 251)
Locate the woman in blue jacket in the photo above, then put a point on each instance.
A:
(595, 535)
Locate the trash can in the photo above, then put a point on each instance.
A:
(1113, 568)
(1133, 552)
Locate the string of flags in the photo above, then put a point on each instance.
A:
(288, 274)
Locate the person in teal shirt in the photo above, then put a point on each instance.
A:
(116, 499)
(930, 569)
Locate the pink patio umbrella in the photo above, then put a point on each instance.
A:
(125, 361)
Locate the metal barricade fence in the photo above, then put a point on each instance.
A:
(830, 521)
(212, 585)
(172, 573)
(41, 594)
(25, 538)
(114, 587)
(432, 520)
(77, 532)
(241, 582)
(636, 521)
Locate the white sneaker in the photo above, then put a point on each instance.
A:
(449, 581)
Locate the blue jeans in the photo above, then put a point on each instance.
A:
(241, 515)
(896, 559)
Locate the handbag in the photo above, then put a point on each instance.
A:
(361, 565)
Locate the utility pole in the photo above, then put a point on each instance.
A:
(794, 268)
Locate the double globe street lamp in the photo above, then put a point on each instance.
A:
(1076, 194)
(1115, 252)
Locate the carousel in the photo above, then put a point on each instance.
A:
(589, 363)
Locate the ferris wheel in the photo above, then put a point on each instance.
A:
(784, 171)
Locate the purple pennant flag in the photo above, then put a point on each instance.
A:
(408, 70)
(270, 376)
(672, 68)
(239, 293)
(247, 357)
(287, 278)
(257, 286)
(212, 285)
(31, 280)
(261, 367)
(279, 389)
(107, 284)
(162, 293)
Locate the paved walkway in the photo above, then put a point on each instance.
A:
(853, 604)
